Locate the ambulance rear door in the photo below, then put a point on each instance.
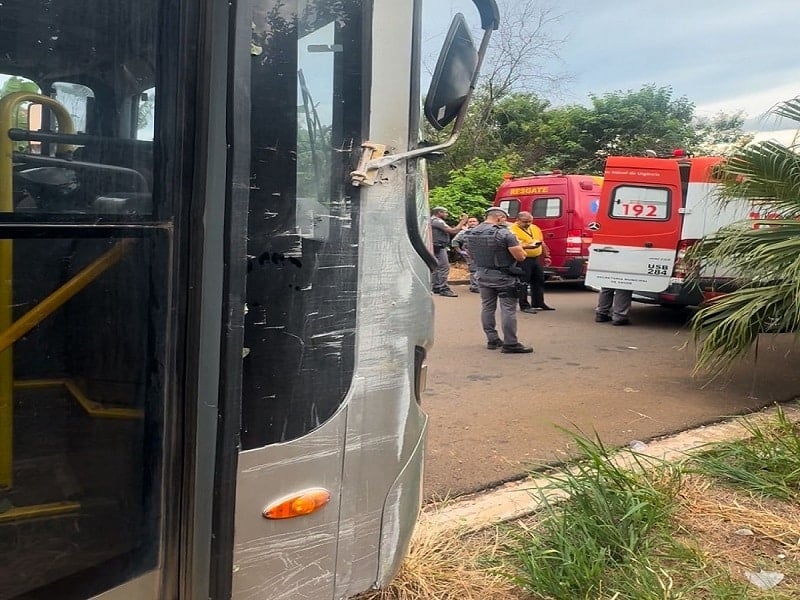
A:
(638, 225)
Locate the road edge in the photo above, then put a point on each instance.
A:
(521, 498)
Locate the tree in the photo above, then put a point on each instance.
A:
(471, 188)
(521, 58)
(720, 134)
(632, 122)
(18, 84)
(765, 253)
(19, 119)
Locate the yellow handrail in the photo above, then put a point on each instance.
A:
(57, 298)
(8, 105)
(92, 408)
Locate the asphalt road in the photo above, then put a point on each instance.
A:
(494, 417)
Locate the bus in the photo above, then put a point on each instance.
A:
(215, 297)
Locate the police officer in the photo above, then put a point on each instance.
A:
(441, 242)
(496, 252)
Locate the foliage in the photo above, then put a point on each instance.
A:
(471, 189)
(617, 525)
(577, 139)
(524, 57)
(18, 84)
(543, 137)
(764, 253)
(628, 123)
(720, 134)
(768, 462)
(519, 59)
(20, 117)
(651, 531)
(609, 538)
(447, 566)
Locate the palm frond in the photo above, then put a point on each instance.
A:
(763, 254)
(770, 251)
(767, 171)
(789, 109)
(727, 328)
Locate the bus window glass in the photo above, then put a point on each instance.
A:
(306, 77)
(84, 77)
(145, 114)
(511, 206)
(86, 419)
(83, 384)
(315, 54)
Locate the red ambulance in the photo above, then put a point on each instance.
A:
(652, 210)
(562, 207)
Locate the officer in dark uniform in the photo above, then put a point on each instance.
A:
(496, 252)
(442, 232)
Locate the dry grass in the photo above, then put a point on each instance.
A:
(458, 271)
(711, 515)
(448, 566)
(717, 533)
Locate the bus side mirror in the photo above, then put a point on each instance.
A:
(449, 95)
(453, 76)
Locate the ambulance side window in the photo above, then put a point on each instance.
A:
(546, 208)
(640, 203)
(511, 206)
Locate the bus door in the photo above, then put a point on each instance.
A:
(328, 481)
(638, 225)
(100, 292)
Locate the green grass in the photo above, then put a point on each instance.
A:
(608, 532)
(599, 542)
(767, 463)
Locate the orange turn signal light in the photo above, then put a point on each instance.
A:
(297, 505)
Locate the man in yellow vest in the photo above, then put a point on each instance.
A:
(537, 257)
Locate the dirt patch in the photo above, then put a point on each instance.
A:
(458, 271)
(457, 566)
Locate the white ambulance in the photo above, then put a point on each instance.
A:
(652, 210)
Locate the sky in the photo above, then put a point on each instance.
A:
(723, 55)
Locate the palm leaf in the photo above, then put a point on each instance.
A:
(764, 253)
(789, 109)
(727, 328)
(766, 170)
